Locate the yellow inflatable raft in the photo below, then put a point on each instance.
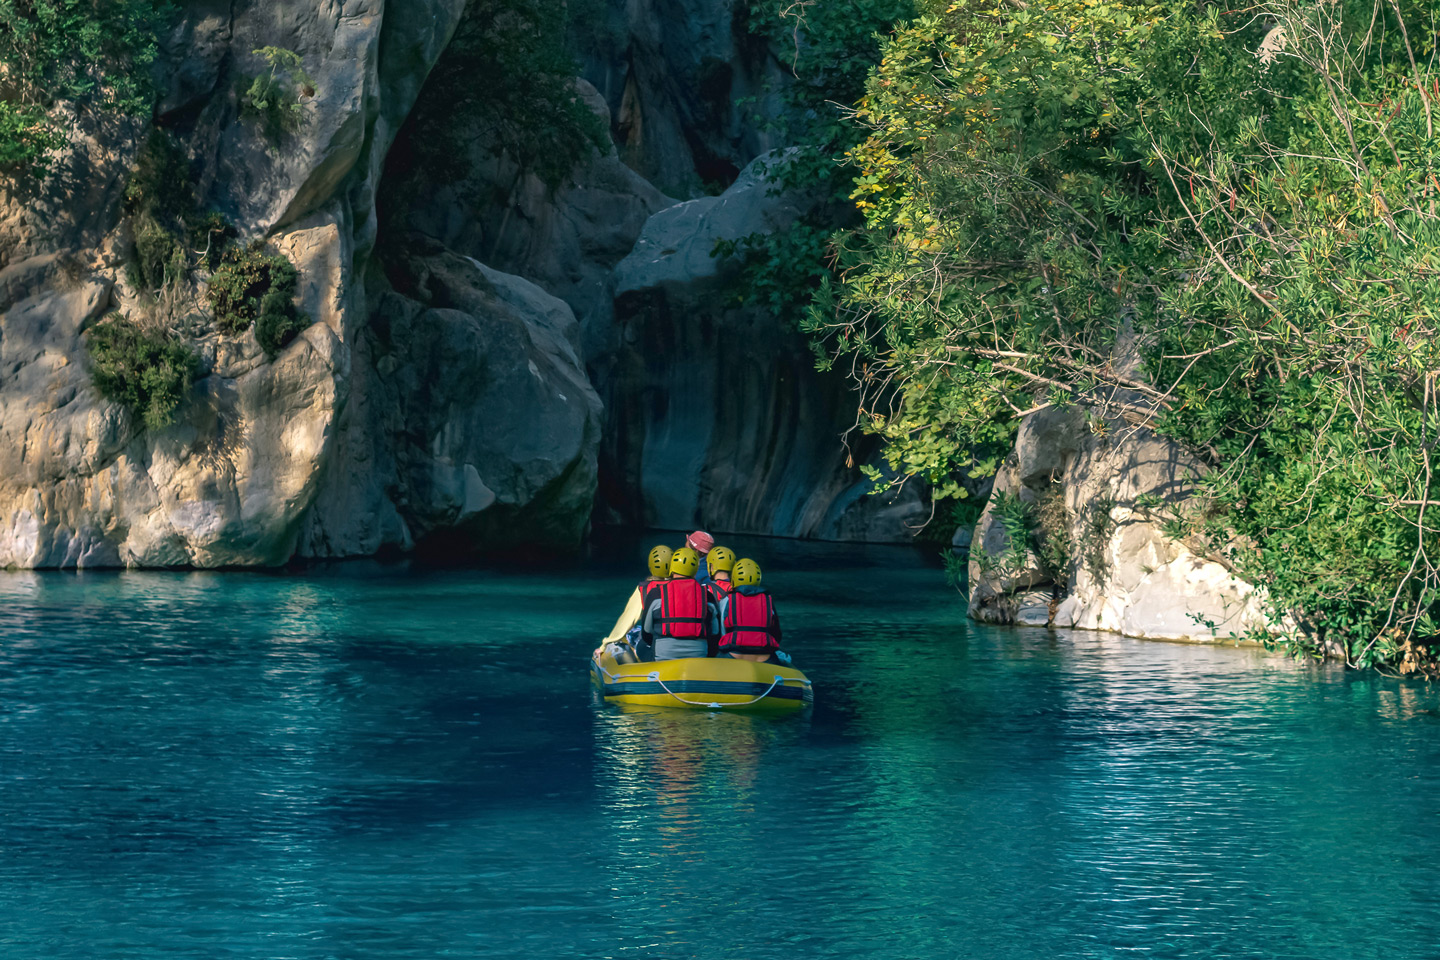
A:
(703, 683)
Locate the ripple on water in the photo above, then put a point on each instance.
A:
(412, 765)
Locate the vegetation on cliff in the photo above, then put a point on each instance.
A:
(89, 55)
(1219, 223)
(253, 287)
(146, 370)
(275, 97)
(829, 50)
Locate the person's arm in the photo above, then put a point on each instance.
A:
(628, 618)
(775, 623)
(646, 631)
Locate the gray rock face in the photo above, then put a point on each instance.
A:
(567, 240)
(717, 417)
(472, 421)
(1123, 574)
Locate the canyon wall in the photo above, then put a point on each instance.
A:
(473, 370)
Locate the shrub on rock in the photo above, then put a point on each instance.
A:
(251, 286)
(147, 371)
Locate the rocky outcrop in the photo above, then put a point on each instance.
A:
(480, 415)
(471, 420)
(714, 415)
(717, 415)
(567, 239)
(1073, 536)
(224, 485)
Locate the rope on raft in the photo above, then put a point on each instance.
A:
(697, 703)
(654, 677)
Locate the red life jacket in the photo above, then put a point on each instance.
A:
(746, 627)
(682, 608)
(720, 589)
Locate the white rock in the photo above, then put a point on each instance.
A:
(1125, 575)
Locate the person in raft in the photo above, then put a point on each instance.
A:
(680, 615)
(659, 564)
(702, 543)
(718, 563)
(749, 625)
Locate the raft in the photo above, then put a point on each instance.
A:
(698, 683)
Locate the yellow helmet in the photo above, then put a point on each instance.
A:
(660, 562)
(684, 562)
(747, 573)
(720, 559)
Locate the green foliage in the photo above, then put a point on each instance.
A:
(96, 55)
(1015, 519)
(149, 372)
(170, 233)
(780, 272)
(957, 572)
(276, 97)
(965, 512)
(828, 48)
(210, 236)
(1038, 528)
(1120, 205)
(508, 70)
(160, 200)
(250, 286)
(1050, 535)
(27, 137)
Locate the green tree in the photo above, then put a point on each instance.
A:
(276, 97)
(1219, 224)
(828, 49)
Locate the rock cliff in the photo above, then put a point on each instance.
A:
(389, 421)
(446, 393)
(686, 84)
(716, 416)
(1073, 535)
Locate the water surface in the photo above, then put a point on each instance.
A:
(370, 762)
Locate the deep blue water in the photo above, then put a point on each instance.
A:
(372, 762)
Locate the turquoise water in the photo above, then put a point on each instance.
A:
(379, 763)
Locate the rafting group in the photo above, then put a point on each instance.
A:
(701, 623)
(700, 601)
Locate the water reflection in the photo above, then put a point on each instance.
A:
(680, 765)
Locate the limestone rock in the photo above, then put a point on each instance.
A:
(230, 481)
(567, 240)
(677, 245)
(717, 416)
(472, 421)
(1124, 574)
(224, 485)
(674, 74)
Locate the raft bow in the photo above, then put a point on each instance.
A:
(697, 682)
